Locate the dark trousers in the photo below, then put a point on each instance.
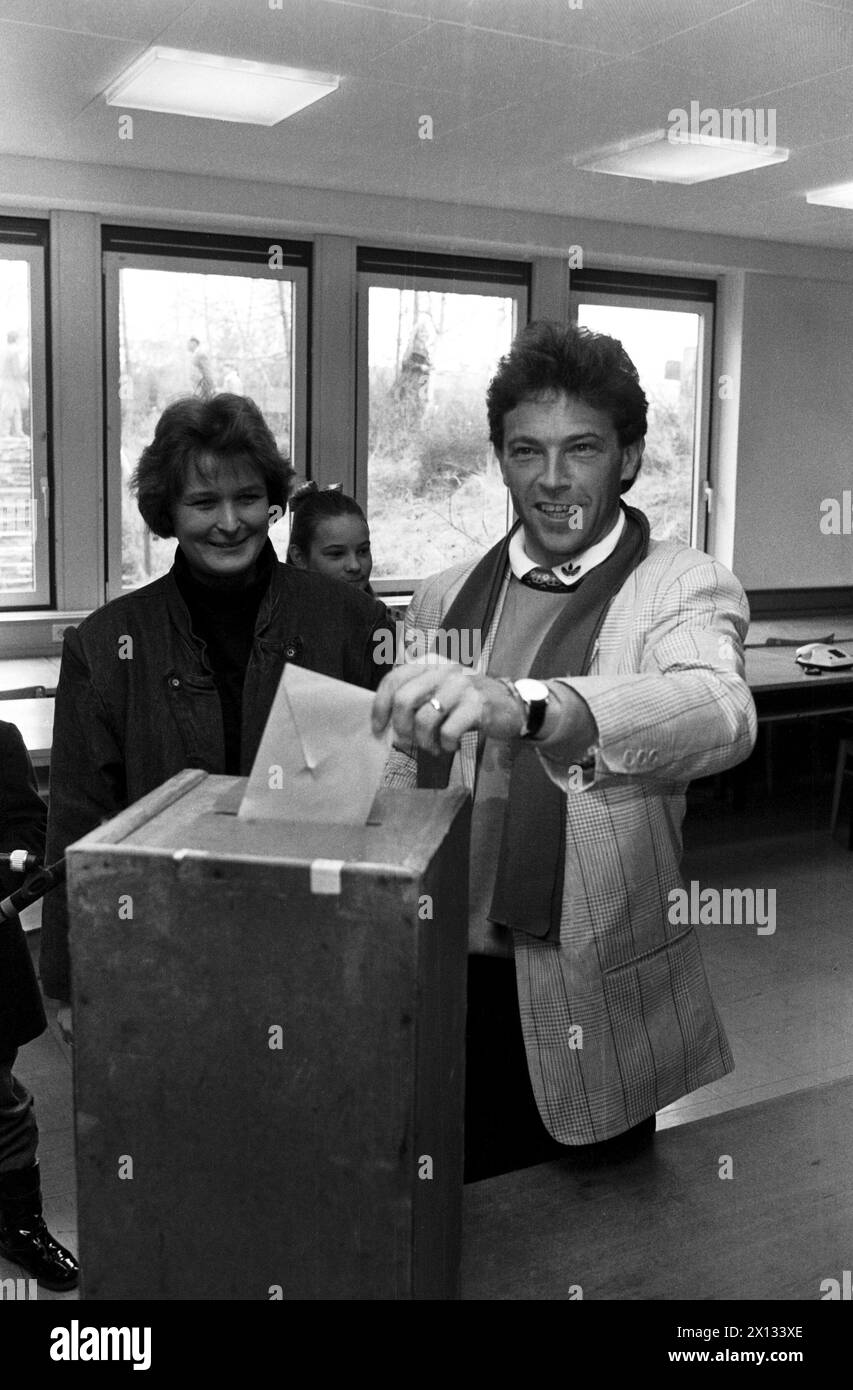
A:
(503, 1128)
(18, 1129)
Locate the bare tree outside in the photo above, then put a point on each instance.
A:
(435, 494)
(17, 483)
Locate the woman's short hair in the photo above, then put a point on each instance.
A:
(310, 505)
(225, 427)
(549, 357)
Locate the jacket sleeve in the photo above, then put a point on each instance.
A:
(377, 657)
(87, 787)
(22, 811)
(687, 711)
(401, 769)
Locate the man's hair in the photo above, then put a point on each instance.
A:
(548, 358)
(225, 427)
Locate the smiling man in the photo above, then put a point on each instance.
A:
(611, 674)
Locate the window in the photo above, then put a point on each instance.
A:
(24, 472)
(195, 314)
(431, 330)
(666, 327)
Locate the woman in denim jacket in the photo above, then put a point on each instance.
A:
(182, 672)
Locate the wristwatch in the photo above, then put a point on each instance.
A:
(534, 696)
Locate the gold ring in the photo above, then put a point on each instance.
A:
(437, 705)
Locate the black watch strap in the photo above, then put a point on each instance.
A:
(535, 717)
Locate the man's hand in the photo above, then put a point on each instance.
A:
(435, 704)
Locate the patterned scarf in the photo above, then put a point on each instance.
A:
(531, 861)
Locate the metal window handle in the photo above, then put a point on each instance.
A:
(45, 497)
(709, 498)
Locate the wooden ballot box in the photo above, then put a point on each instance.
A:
(269, 1049)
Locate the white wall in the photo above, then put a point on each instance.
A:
(795, 435)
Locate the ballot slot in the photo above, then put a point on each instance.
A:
(399, 833)
(277, 1064)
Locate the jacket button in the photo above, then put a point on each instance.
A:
(175, 682)
(290, 652)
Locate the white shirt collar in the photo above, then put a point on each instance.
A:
(572, 572)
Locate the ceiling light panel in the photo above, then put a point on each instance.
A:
(206, 85)
(666, 157)
(839, 196)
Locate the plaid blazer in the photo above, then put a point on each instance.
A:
(666, 688)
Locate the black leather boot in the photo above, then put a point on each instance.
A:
(24, 1238)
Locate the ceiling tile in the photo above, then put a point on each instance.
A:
(47, 77)
(305, 33)
(601, 25)
(130, 21)
(761, 47)
(562, 119)
(450, 57)
(809, 112)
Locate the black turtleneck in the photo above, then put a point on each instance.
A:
(224, 618)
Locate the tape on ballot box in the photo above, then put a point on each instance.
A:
(318, 759)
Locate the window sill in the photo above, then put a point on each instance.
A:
(24, 634)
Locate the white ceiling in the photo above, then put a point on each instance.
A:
(515, 88)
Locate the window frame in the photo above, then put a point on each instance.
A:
(427, 272)
(29, 240)
(203, 253)
(679, 294)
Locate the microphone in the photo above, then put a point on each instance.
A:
(19, 860)
(33, 888)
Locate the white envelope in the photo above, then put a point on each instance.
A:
(318, 759)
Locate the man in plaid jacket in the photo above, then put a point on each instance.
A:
(610, 674)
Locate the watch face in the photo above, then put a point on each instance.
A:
(531, 690)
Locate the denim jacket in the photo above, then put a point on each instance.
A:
(136, 703)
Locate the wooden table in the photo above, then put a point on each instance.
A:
(782, 690)
(780, 687)
(666, 1226)
(34, 718)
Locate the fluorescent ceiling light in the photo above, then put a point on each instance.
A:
(220, 89)
(673, 157)
(840, 196)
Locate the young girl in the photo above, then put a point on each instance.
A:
(329, 534)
